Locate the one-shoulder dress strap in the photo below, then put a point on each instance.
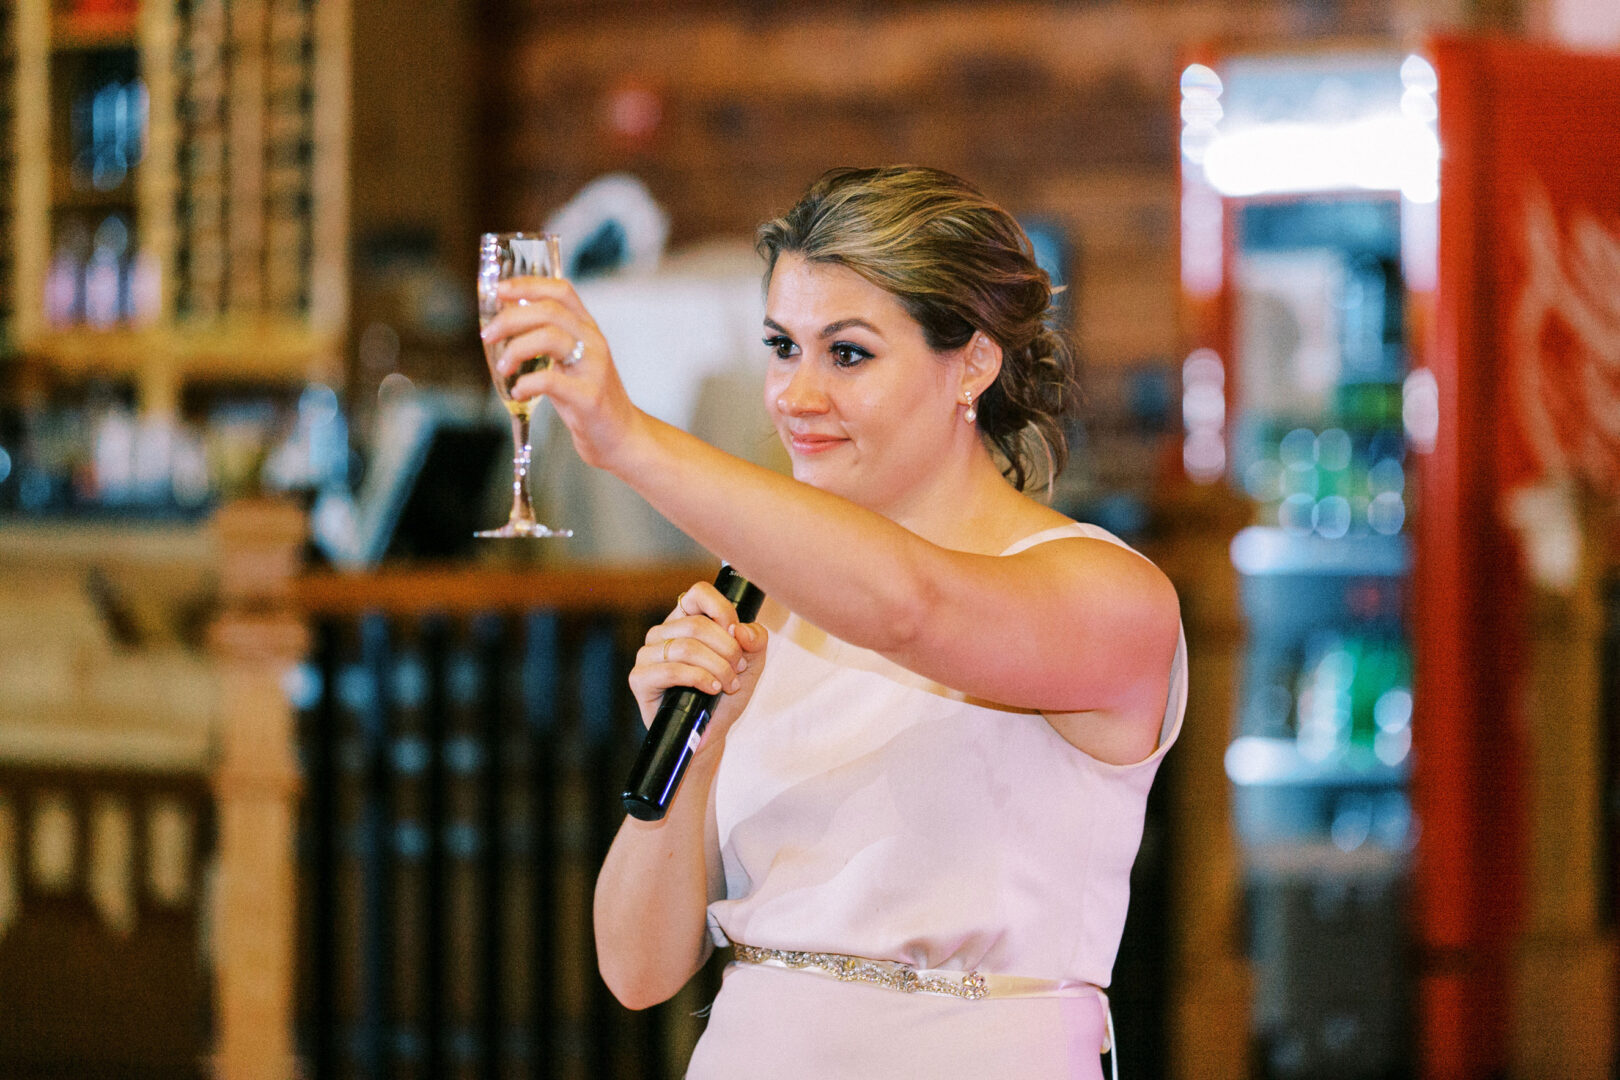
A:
(1059, 532)
(1081, 529)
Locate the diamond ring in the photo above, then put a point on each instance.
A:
(577, 353)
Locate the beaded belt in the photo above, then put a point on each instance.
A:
(893, 975)
(888, 974)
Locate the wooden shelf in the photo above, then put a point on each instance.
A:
(463, 590)
(265, 310)
(68, 199)
(158, 357)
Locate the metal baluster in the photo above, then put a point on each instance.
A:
(597, 673)
(540, 693)
(376, 850)
(435, 881)
(487, 632)
(321, 825)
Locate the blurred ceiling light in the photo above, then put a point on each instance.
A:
(1200, 110)
(1320, 147)
(395, 385)
(1420, 409)
(1201, 224)
(1385, 153)
(1417, 74)
(634, 112)
(1203, 411)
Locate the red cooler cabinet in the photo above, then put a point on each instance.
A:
(1401, 283)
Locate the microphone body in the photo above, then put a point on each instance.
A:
(683, 713)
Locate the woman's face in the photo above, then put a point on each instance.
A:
(864, 407)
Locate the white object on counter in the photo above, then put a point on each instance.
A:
(688, 346)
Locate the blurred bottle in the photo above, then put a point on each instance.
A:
(1324, 697)
(11, 453)
(1372, 678)
(55, 470)
(1392, 708)
(64, 281)
(114, 456)
(314, 455)
(145, 292)
(107, 127)
(106, 277)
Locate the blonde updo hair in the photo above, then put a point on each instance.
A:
(957, 263)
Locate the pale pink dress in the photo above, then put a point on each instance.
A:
(863, 809)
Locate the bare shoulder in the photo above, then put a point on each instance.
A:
(1088, 557)
(1090, 575)
(1122, 610)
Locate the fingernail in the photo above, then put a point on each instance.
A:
(714, 685)
(742, 664)
(736, 685)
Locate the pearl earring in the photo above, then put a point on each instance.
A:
(972, 414)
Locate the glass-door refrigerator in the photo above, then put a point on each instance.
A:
(1300, 221)
(1399, 277)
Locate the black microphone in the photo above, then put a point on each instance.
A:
(683, 713)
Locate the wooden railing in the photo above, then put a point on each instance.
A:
(102, 971)
(464, 735)
(259, 824)
(387, 796)
(107, 822)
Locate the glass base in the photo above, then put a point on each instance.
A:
(518, 530)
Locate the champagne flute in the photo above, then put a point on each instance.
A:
(502, 256)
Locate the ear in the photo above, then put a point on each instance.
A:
(981, 363)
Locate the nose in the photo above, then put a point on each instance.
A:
(803, 394)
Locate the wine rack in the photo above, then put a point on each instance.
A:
(8, 51)
(203, 199)
(178, 206)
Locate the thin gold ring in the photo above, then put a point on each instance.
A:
(666, 649)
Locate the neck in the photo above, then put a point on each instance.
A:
(968, 506)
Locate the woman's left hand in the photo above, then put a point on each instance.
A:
(544, 317)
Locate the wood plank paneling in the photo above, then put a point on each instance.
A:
(1062, 111)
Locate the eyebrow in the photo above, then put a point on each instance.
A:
(830, 329)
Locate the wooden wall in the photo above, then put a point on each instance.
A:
(478, 114)
(1067, 111)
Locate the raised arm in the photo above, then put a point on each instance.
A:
(1068, 626)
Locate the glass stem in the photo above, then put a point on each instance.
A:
(522, 510)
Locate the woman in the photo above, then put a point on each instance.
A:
(929, 764)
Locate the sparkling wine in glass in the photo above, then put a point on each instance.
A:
(502, 256)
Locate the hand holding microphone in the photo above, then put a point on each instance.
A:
(693, 658)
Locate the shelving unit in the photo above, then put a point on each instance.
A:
(8, 179)
(231, 202)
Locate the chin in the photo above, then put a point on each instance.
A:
(812, 474)
(822, 478)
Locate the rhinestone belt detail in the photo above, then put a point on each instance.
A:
(888, 974)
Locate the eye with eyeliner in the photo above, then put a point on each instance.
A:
(847, 354)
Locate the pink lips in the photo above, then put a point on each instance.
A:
(813, 444)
